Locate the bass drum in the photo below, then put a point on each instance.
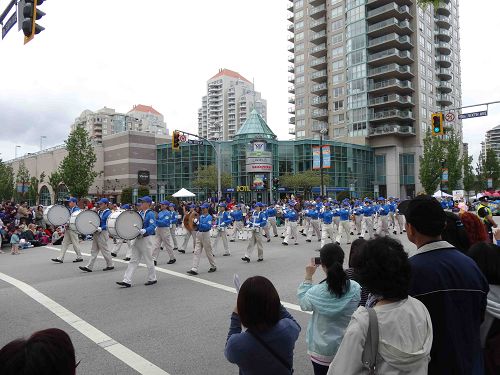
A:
(84, 221)
(124, 224)
(56, 215)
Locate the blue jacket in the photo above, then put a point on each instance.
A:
(344, 214)
(326, 216)
(205, 223)
(331, 316)
(163, 219)
(237, 215)
(393, 206)
(258, 219)
(148, 222)
(223, 219)
(104, 217)
(74, 209)
(271, 212)
(290, 215)
(358, 211)
(368, 211)
(313, 214)
(384, 209)
(454, 291)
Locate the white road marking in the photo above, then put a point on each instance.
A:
(127, 356)
(288, 305)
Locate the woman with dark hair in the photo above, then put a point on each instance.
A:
(47, 352)
(455, 233)
(475, 229)
(354, 255)
(487, 257)
(404, 324)
(266, 347)
(332, 302)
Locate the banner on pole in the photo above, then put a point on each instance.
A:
(316, 157)
(444, 177)
(326, 156)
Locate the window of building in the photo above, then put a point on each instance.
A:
(380, 172)
(333, 2)
(298, 3)
(423, 99)
(299, 15)
(299, 90)
(299, 58)
(406, 169)
(423, 127)
(300, 123)
(299, 80)
(421, 40)
(337, 65)
(421, 25)
(422, 84)
(337, 78)
(300, 112)
(356, 28)
(299, 102)
(337, 11)
(338, 51)
(428, 46)
(357, 71)
(337, 25)
(338, 38)
(299, 47)
(338, 105)
(356, 43)
(429, 73)
(338, 91)
(421, 53)
(357, 101)
(299, 69)
(355, 14)
(299, 36)
(300, 134)
(356, 57)
(338, 119)
(356, 86)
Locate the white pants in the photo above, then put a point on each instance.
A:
(237, 228)
(391, 219)
(401, 222)
(285, 227)
(271, 221)
(189, 233)
(357, 223)
(173, 227)
(313, 227)
(307, 225)
(327, 230)
(118, 247)
(291, 231)
(142, 249)
(344, 227)
(163, 235)
(383, 226)
(255, 239)
(70, 238)
(100, 243)
(221, 233)
(202, 243)
(367, 226)
(336, 222)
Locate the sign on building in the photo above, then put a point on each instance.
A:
(143, 177)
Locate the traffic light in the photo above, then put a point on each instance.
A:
(176, 144)
(31, 14)
(437, 124)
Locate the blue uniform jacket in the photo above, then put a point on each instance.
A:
(290, 215)
(104, 217)
(271, 212)
(344, 214)
(313, 214)
(163, 220)
(74, 209)
(149, 222)
(237, 215)
(224, 219)
(393, 206)
(205, 223)
(258, 219)
(358, 211)
(384, 209)
(326, 216)
(368, 211)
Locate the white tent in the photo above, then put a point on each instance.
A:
(183, 193)
(479, 195)
(439, 194)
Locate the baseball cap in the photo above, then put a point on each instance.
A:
(222, 204)
(146, 199)
(171, 204)
(72, 199)
(165, 203)
(125, 206)
(205, 205)
(259, 204)
(425, 214)
(103, 200)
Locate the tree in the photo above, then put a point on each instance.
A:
(77, 168)
(33, 188)
(453, 161)
(305, 180)
(126, 195)
(23, 178)
(6, 181)
(488, 167)
(206, 178)
(142, 191)
(55, 179)
(469, 178)
(430, 163)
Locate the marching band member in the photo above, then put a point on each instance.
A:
(237, 216)
(163, 233)
(143, 246)
(120, 242)
(336, 215)
(271, 220)
(367, 222)
(100, 239)
(400, 219)
(188, 227)
(358, 216)
(70, 237)
(174, 216)
(306, 219)
(267, 232)
(327, 226)
(291, 216)
(345, 225)
(392, 213)
(222, 221)
(203, 241)
(383, 212)
(256, 222)
(313, 214)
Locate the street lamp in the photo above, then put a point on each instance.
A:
(219, 163)
(41, 141)
(16, 150)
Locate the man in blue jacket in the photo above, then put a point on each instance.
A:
(203, 241)
(450, 285)
(100, 239)
(143, 245)
(70, 237)
(257, 221)
(163, 234)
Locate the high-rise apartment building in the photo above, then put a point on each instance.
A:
(371, 72)
(107, 121)
(230, 99)
(492, 141)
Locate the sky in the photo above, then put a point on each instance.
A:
(118, 53)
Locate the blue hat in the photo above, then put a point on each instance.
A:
(146, 199)
(191, 206)
(103, 200)
(165, 203)
(171, 204)
(72, 199)
(381, 198)
(328, 204)
(125, 206)
(259, 204)
(205, 205)
(291, 203)
(222, 204)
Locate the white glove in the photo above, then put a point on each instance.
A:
(99, 229)
(195, 221)
(142, 231)
(179, 216)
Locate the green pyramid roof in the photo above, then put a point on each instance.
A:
(255, 125)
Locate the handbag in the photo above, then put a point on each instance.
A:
(270, 350)
(369, 356)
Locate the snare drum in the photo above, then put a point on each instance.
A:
(124, 224)
(84, 221)
(56, 215)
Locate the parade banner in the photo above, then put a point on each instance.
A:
(444, 176)
(316, 157)
(326, 156)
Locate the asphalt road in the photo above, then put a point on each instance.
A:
(178, 325)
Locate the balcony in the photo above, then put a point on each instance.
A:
(444, 87)
(319, 89)
(391, 129)
(392, 55)
(291, 27)
(320, 114)
(318, 37)
(319, 76)
(291, 99)
(443, 61)
(392, 114)
(290, 6)
(319, 50)
(442, 21)
(291, 68)
(291, 48)
(390, 86)
(291, 110)
(320, 101)
(391, 25)
(319, 63)
(389, 10)
(443, 35)
(291, 38)
(291, 89)
(291, 120)
(444, 74)
(289, 17)
(391, 71)
(378, 3)
(291, 131)
(443, 9)
(316, 2)
(443, 48)
(389, 41)
(393, 99)
(444, 100)
(319, 24)
(317, 11)
(291, 58)
(318, 125)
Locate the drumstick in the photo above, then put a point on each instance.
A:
(135, 225)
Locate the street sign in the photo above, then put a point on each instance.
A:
(449, 117)
(182, 138)
(8, 25)
(195, 141)
(472, 115)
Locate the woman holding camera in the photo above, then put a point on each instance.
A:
(332, 302)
